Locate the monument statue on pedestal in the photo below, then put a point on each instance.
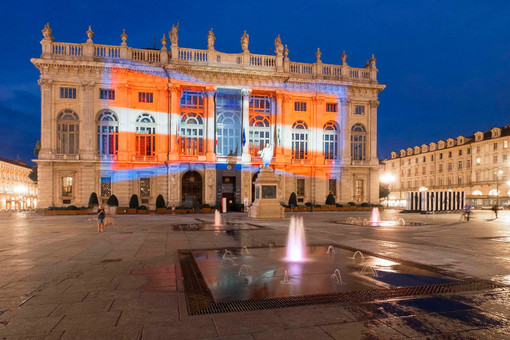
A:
(266, 204)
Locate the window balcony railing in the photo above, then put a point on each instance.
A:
(67, 157)
(144, 158)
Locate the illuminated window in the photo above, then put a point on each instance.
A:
(300, 187)
(359, 109)
(145, 135)
(228, 132)
(358, 142)
(359, 187)
(107, 133)
(145, 187)
(261, 104)
(332, 186)
(505, 144)
(191, 129)
(106, 94)
(331, 107)
(299, 140)
(260, 132)
(68, 92)
(228, 122)
(299, 106)
(478, 160)
(145, 97)
(330, 140)
(106, 187)
(67, 186)
(192, 99)
(68, 132)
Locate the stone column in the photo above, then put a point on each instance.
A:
(279, 127)
(373, 132)
(87, 121)
(210, 133)
(175, 117)
(345, 130)
(246, 157)
(46, 121)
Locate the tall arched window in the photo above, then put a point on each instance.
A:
(192, 134)
(191, 128)
(68, 132)
(330, 140)
(145, 135)
(299, 140)
(107, 133)
(228, 132)
(260, 131)
(358, 142)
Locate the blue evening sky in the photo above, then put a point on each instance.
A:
(446, 64)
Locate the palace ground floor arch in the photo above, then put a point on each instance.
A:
(64, 183)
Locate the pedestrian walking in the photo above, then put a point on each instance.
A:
(467, 212)
(495, 208)
(100, 219)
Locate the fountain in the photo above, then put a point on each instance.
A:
(336, 277)
(358, 253)
(217, 218)
(331, 250)
(244, 251)
(246, 270)
(375, 219)
(286, 278)
(296, 243)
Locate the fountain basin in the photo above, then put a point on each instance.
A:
(311, 277)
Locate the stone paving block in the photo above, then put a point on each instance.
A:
(131, 332)
(36, 311)
(19, 326)
(248, 322)
(188, 329)
(320, 315)
(315, 333)
(91, 307)
(98, 321)
(371, 329)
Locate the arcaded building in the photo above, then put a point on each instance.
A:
(17, 190)
(188, 123)
(477, 165)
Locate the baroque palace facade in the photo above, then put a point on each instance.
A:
(17, 190)
(188, 124)
(477, 165)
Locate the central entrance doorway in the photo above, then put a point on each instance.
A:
(228, 190)
(192, 188)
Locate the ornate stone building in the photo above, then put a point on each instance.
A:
(188, 124)
(477, 165)
(17, 190)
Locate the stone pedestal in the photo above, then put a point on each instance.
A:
(266, 204)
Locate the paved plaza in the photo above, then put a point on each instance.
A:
(61, 279)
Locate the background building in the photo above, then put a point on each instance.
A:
(17, 190)
(188, 123)
(477, 165)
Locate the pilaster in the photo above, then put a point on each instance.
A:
(246, 157)
(374, 161)
(175, 118)
(345, 145)
(87, 120)
(210, 155)
(46, 121)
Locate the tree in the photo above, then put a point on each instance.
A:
(133, 202)
(384, 191)
(33, 173)
(293, 200)
(330, 200)
(93, 200)
(160, 202)
(113, 201)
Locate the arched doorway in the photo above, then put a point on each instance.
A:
(253, 179)
(192, 188)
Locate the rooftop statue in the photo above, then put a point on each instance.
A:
(278, 46)
(47, 32)
(266, 154)
(173, 34)
(245, 39)
(210, 40)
